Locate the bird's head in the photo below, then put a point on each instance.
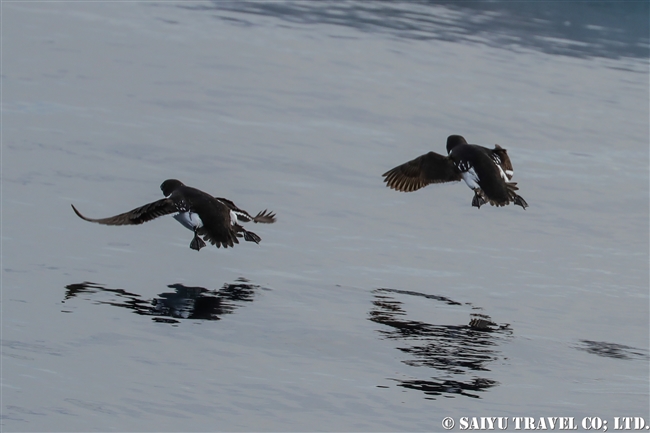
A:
(453, 141)
(169, 186)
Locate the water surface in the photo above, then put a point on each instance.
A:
(354, 311)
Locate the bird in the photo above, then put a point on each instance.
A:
(214, 219)
(488, 172)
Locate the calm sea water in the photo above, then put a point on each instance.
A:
(353, 312)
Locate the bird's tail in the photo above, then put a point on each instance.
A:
(480, 198)
(246, 234)
(514, 197)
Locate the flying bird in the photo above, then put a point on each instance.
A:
(488, 172)
(214, 219)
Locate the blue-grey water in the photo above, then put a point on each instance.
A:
(353, 312)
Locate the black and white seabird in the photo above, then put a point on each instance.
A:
(213, 218)
(486, 171)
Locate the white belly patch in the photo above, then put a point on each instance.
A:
(470, 178)
(190, 220)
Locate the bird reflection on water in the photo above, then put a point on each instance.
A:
(458, 355)
(185, 302)
(612, 350)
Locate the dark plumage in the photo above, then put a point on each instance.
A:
(486, 171)
(213, 219)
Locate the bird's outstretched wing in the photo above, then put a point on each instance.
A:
(138, 215)
(264, 217)
(422, 171)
